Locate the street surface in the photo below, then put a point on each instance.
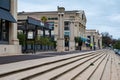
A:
(29, 56)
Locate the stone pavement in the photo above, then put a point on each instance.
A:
(92, 65)
(37, 55)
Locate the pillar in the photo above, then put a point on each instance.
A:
(60, 40)
(71, 42)
(13, 26)
(14, 46)
(92, 42)
(100, 41)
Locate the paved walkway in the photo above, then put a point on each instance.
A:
(37, 55)
(91, 65)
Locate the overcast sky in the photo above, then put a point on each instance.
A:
(102, 15)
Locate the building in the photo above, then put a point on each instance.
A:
(94, 39)
(30, 37)
(66, 25)
(9, 44)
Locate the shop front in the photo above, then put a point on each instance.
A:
(8, 28)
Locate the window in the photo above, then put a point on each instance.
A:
(53, 18)
(4, 31)
(66, 25)
(66, 28)
(89, 39)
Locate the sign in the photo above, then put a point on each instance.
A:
(42, 24)
(51, 25)
(30, 35)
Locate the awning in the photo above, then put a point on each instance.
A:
(6, 16)
(38, 23)
(66, 33)
(83, 39)
(34, 21)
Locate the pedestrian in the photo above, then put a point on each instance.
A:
(94, 46)
(91, 45)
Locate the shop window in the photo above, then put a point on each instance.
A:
(4, 31)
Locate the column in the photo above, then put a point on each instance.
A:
(13, 26)
(71, 42)
(60, 40)
(14, 47)
(92, 42)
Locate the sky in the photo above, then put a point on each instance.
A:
(102, 15)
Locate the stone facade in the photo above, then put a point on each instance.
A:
(60, 39)
(94, 38)
(75, 27)
(12, 47)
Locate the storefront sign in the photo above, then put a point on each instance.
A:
(30, 35)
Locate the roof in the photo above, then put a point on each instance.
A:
(50, 12)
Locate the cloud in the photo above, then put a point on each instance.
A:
(114, 17)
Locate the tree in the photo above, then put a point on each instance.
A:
(106, 39)
(117, 44)
(38, 40)
(44, 19)
(21, 38)
(79, 41)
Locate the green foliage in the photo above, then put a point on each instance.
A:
(44, 41)
(54, 43)
(30, 42)
(38, 40)
(21, 38)
(117, 44)
(77, 39)
(106, 39)
(44, 19)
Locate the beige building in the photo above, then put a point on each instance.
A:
(9, 44)
(65, 24)
(94, 38)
